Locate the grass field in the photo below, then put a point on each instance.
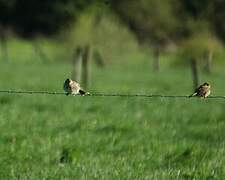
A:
(110, 137)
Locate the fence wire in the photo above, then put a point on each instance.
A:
(100, 94)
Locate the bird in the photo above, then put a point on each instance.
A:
(203, 90)
(72, 87)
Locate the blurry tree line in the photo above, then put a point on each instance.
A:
(165, 20)
(30, 17)
(197, 26)
(152, 21)
(160, 23)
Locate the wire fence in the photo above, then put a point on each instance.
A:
(99, 94)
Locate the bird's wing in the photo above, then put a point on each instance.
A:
(196, 92)
(66, 87)
(199, 89)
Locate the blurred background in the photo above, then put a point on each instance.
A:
(169, 34)
(164, 47)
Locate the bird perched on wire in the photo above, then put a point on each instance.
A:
(202, 91)
(72, 87)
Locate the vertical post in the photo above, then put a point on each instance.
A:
(4, 48)
(156, 60)
(195, 73)
(208, 61)
(86, 66)
(76, 63)
(97, 57)
(39, 51)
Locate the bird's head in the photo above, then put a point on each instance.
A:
(67, 81)
(206, 84)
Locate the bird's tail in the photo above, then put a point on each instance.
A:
(82, 92)
(192, 95)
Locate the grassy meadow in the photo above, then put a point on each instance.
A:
(65, 137)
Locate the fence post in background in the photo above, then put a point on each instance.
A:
(76, 63)
(4, 48)
(195, 73)
(97, 57)
(86, 66)
(156, 60)
(39, 52)
(208, 57)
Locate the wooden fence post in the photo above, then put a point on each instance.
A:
(39, 51)
(156, 60)
(195, 73)
(97, 57)
(86, 66)
(4, 48)
(76, 63)
(208, 57)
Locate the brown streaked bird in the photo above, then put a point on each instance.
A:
(72, 87)
(202, 91)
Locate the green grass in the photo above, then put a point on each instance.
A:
(110, 137)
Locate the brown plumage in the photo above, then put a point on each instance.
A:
(202, 91)
(72, 87)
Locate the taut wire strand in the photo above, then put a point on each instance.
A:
(104, 94)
